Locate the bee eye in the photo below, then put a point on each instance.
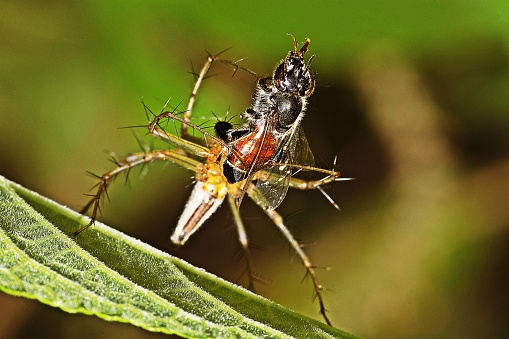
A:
(292, 75)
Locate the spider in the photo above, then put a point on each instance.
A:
(257, 159)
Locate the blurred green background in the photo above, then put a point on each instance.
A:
(412, 97)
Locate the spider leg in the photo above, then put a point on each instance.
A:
(187, 146)
(190, 104)
(199, 80)
(310, 268)
(303, 184)
(242, 238)
(317, 184)
(154, 127)
(127, 164)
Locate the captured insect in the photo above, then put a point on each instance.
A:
(273, 137)
(259, 158)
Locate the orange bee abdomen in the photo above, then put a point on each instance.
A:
(254, 151)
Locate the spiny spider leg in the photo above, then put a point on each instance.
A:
(303, 184)
(180, 142)
(243, 239)
(183, 144)
(315, 184)
(192, 98)
(127, 164)
(186, 145)
(235, 64)
(278, 221)
(202, 76)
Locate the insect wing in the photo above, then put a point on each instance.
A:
(273, 184)
(301, 153)
(274, 180)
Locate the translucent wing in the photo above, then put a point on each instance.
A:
(273, 184)
(274, 179)
(301, 154)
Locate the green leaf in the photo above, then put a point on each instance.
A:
(118, 278)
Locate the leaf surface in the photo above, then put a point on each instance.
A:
(113, 276)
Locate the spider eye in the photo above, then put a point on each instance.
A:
(222, 128)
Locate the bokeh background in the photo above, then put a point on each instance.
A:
(412, 97)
